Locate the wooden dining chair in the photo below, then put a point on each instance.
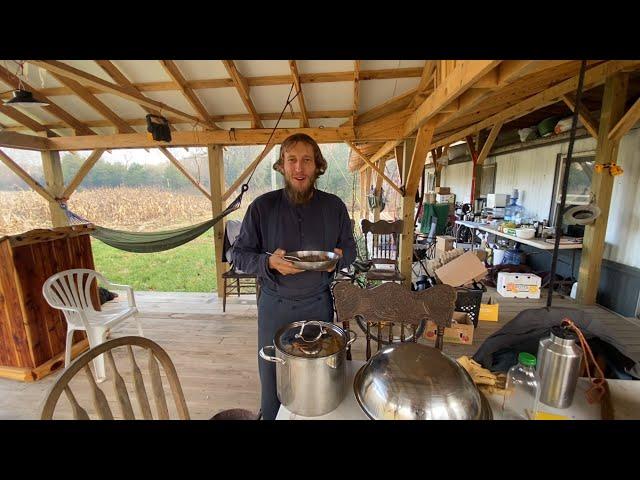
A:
(380, 309)
(127, 377)
(382, 244)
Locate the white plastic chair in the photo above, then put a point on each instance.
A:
(70, 291)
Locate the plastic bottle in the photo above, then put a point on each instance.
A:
(522, 389)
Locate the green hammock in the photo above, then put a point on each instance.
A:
(149, 242)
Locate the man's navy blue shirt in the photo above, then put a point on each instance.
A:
(272, 221)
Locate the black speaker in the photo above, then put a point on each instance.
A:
(158, 127)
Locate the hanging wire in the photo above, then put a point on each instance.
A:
(565, 183)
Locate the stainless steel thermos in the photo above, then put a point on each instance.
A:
(558, 367)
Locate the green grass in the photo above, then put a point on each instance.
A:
(189, 268)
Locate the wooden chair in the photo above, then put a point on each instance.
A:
(382, 244)
(377, 310)
(153, 356)
(234, 280)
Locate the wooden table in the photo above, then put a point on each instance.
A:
(625, 395)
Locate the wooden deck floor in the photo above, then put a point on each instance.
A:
(215, 353)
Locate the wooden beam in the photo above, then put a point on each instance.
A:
(488, 144)
(356, 90)
(418, 159)
(25, 120)
(199, 138)
(247, 172)
(627, 121)
(407, 212)
(296, 80)
(593, 77)
(70, 121)
(590, 124)
(184, 171)
(22, 141)
(426, 81)
(392, 105)
(465, 74)
(84, 170)
(216, 180)
(236, 117)
(261, 81)
(108, 87)
(399, 153)
(52, 169)
(17, 169)
(174, 72)
(243, 90)
(372, 164)
(613, 102)
(95, 103)
(378, 188)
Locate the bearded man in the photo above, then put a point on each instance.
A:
(297, 217)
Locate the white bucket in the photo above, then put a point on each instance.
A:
(498, 255)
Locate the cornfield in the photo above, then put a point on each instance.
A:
(132, 209)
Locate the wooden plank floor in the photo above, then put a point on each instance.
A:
(215, 353)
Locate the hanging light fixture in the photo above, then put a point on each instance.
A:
(21, 96)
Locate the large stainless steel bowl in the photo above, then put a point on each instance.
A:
(314, 260)
(410, 381)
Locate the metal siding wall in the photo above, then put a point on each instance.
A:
(533, 171)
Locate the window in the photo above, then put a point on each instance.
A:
(579, 186)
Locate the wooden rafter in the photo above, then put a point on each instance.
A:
(25, 120)
(590, 123)
(17, 169)
(394, 104)
(69, 120)
(356, 90)
(184, 171)
(108, 87)
(418, 159)
(426, 82)
(304, 122)
(627, 121)
(327, 77)
(593, 77)
(174, 72)
(243, 90)
(372, 164)
(95, 103)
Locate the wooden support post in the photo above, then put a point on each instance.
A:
(367, 189)
(613, 101)
(54, 183)
(363, 206)
(407, 215)
(216, 180)
(378, 189)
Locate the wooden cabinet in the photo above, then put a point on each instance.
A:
(32, 334)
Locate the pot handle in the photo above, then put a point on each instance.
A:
(269, 358)
(355, 336)
(299, 334)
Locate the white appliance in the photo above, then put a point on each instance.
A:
(497, 200)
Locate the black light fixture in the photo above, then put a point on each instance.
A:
(24, 98)
(21, 96)
(158, 128)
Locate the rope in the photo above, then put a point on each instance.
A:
(598, 384)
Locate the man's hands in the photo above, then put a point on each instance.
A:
(285, 267)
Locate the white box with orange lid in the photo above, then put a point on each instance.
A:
(519, 285)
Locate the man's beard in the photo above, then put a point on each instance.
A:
(296, 196)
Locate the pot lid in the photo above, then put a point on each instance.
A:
(310, 339)
(410, 381)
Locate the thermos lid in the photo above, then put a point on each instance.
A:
(563, 333)
(527, 359)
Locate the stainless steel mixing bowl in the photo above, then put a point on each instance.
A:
(410, 381)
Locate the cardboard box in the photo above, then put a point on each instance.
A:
(443, 190)
(448, 198)
(460, 332)
(518, 285)
(444, 243)
(462, 270)
(489, 313)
